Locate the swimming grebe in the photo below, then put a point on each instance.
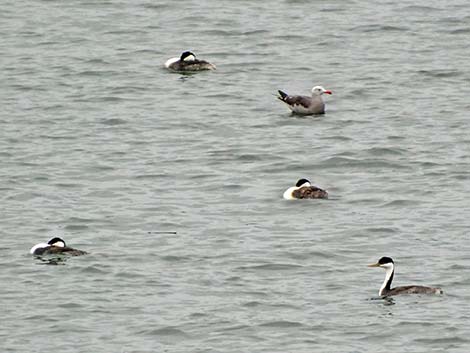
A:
(54, 246)
(304, 190)
(386, 290)
(188, 62)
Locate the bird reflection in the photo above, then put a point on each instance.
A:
(386, 300)
(51, 260)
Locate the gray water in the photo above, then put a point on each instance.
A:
(173, 183)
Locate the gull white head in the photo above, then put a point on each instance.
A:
(319, 90)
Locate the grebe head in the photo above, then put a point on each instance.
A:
(187, 56)
(384, 262)
(302, 182)
(56, 242)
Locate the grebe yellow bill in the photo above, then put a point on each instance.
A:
(304, 190)
(386, 290)
(55, 246)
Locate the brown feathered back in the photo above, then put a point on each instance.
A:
(310, 192)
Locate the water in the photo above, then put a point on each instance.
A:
(102, 146)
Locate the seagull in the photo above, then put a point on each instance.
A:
(305, 105)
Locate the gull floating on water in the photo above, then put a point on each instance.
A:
(305, 105)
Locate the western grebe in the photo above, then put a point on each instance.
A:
(386, 290)
(54, 246)
(305, 105)
(304, 190)
(188, 62)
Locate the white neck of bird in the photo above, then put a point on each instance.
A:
(288, 193)
(389, 270)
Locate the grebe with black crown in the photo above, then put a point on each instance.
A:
(386, 290)
(304, 190)
(188, 62)
(55, 246)
(305, 105)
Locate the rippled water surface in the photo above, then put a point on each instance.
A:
(173, 183)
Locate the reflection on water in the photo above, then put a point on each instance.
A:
(384, 300)
(51, 260)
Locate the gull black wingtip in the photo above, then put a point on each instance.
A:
(282, 96)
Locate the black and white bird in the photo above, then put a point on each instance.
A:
(305, 105)
(188, 62)
(303, 189)
(387, 290)
(55, 246)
